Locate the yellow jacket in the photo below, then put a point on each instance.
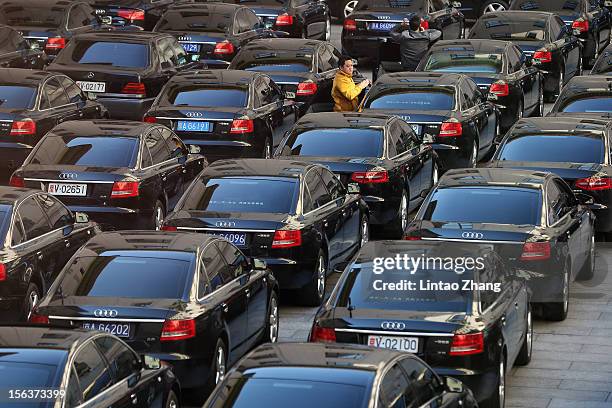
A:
(345, 93)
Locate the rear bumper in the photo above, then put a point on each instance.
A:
(126, 108)
(117, 217)
(482, 383)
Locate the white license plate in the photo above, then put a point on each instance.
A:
(119, 330)
(290, 95)
(67, 189)
(408, 344)
(92, 86)
(416, 128)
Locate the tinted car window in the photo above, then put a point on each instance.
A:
(393, 387)
(554, 148)
(17, 97)
(594, 105)
(157, 147)
(121, 359)
(196, 21)
(55, 93)
(425, 385)
(72, 90)
(236, 262)
(58, 214)
(333, 185)
(73, 393)
(243, 194)
(149, 278)
(209, 96)
(34, 221)
(334, 142)
(497, 205)
(92, 372)
(19, 235)
(32, 15)
(417, 100)
(318, 192)
(99, 151)
(464, 63)
(116, 54)
(215, 266)
(516, 29)
(29, 374)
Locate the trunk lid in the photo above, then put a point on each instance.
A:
(378, 22)
(113, 78)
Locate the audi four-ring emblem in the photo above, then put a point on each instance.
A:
(105, 313)
(68, 176)
(472, 235)
(393, 325)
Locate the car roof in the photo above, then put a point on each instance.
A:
(11, 195)
(24, 76)
(257, 167)
(101, 127)
(122, 36)
(343, 120)
(493, 176)
(283, 44)
(146, 241)
(37, 337)
(517, 14)
(419, 79)
(587, 84)
(474, 45)
(215, 77)
(564, 124)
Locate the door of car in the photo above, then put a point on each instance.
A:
(174, 174)
(164, 167)
(82, 109)
(484, 113)
(54, 102)
(395, 390)
(568, 46)
(327, 66)
(446, 19)
(91, 379)
(526, 77)
(14, 50)
(274, 109)
(404, 154)
(415, 146)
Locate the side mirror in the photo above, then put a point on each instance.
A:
(150, 362)
(194, 149)
(34, 46)
(453, 385)
(584, 199)
(81, 218)
(259, 264)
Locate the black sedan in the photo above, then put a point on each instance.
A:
(124, 174)
(296, 216)
(227, 113)
(333, 376)
(130, 13)
(55, 367)
(447, 109)
(470, 319)
(499, 68)
(372, 21)
(38, 234)
(50, 23)
(576, 149)
(603, 65)
(542, 36)
(212, 32)
(304, 69)
(585, 96)
(379, 155)
(17, 52)
(533, 219)
(31, 104)
(298, 18)
(124, 70)
(589, 21)
(193, 301)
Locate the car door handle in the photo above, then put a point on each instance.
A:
(516, 305)
(248, 293)
(39, 255)
(503, 320)
(164, 178)
(225, 307)
(67, 244)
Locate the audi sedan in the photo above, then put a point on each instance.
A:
(587, 96)
(191, 300)
(471, 320)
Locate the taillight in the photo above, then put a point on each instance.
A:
(306, 88)
(55, 43)
(542, 56)
(132, 15)
(412, 238)
(242, 126)
(287, 238)
(465, 344)
(450, 129)
(535, 251)
(322, 334)
(169, 228)
(2, 272)
(178, 330)
(39, 319)
(424, 24)
(284, 20)
(224, 48)
(124, 189)
(581, 25)
(17, 181)
(23, 128)
(500, 88)
(350, 25)
(134, 88)
(370, 177)
(149, 119)
(594, 183)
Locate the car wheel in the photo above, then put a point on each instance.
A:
(314, 292)
(588, 269)
(267, 150)
(581, 61)
(498, 399)
(328, 29)
(401, 221)
(473, 159)
(435, 174)
(31, 300)
(496, 137)
(364, 235)
(494, 6)
(271, 330)
(524, 356)
(561, 81)
(158, 215)
(557, 311)
(348, 8)
(539, 110)
(172, 401)
(219, 364)
(519, 110)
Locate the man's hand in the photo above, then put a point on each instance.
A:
(364, 83)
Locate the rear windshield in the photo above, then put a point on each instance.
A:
(28, 375)
(116, 54)
(126, 277)
(194, 21)
(243, 194)
(413, 5)
(464, 63)
(547, 5)
(412, 100)
(335, 143)
(597, 104)
(99, 151)
(17, 97)
(530, 30)
(554, 148)
(282, 393)
(209, 97)
(494, 205)
(32, 16)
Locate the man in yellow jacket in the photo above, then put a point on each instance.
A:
(344, 91)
